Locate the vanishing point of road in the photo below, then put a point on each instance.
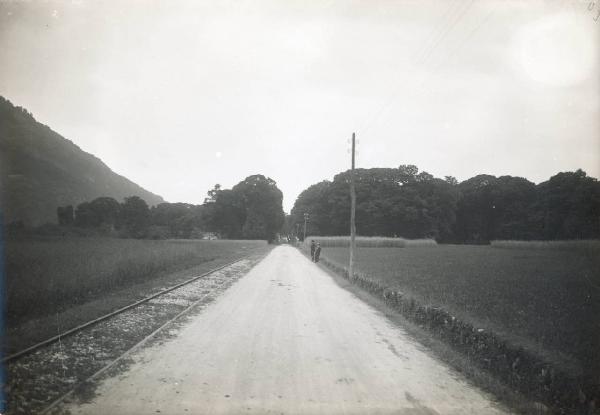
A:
(287, 339)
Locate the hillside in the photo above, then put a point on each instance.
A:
(41, 170)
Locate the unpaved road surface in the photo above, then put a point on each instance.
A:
(40, 378)
(286, 339)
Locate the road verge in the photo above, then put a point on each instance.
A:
(556, 389)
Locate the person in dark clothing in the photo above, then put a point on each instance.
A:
(317, 252)
(312, 249)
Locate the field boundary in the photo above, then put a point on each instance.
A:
(368, 241)
(520, 369)
(80, 327)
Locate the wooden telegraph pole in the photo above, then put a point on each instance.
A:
(352, 213)
(305, 220)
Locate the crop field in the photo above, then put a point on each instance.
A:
(368, 241)
(46, 276)
(592, 246)
(541, 299)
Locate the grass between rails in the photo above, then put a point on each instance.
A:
(544, 300)
(46, 276)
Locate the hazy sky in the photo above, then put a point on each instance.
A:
(180, 95)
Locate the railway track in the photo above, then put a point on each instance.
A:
(46, 373)
(74, 330)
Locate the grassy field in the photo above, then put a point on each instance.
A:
(544, 299)
(46, 276)
(368, 241)
(592, 246)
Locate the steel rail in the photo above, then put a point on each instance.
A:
(136, 346)
(76, 329)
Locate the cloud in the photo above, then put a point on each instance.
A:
(277, 87)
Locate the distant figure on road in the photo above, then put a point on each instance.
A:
(317, 252)
(312, 249)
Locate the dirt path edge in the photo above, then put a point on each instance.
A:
(536, 378)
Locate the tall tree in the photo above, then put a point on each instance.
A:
(475, 214)
(569, 204)
(102, 211)
(106, 211)
(65, 215)
(179, 220)
(85, 216)
(228, 214)
(262, 201)
(135, 216)
(314, 201)
(390, 202)
(413, 204)
(513, 201)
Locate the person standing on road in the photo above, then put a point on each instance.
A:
(312, 249)
(317, 252)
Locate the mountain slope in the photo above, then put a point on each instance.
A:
(41, 170)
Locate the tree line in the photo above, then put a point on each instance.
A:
(252, 209)
(405, 202)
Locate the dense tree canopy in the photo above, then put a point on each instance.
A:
(568, 206)
(252, 209)
(389, 202)
(135, 215)
(65, 215)
(102, 211)
(176, 220)
(406, 202)
(227, 214)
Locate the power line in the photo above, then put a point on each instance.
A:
(390, 101)
(429, 50)
(435, 33)
(416, 61)
(449, 21)
(458, 18)
(420, 90)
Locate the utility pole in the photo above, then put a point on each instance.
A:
(352, 212)
(305, 220)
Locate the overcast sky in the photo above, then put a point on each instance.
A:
(178, 95)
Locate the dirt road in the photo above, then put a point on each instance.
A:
(287, 339)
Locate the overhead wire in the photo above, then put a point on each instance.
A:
(437, 31)
(420, 90)
(451, 26)
(424, 51)
(458, 16)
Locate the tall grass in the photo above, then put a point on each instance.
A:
(368, 241)
(46, 275)
(571, 245)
